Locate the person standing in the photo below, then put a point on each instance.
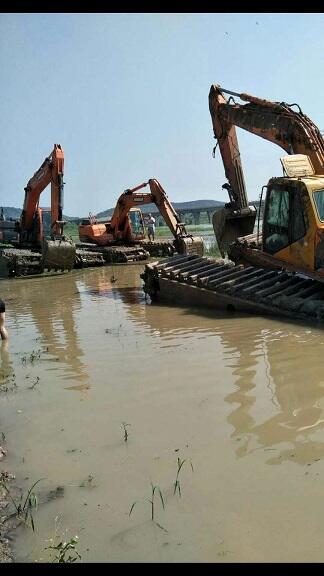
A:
(3, 331)
(151, 227)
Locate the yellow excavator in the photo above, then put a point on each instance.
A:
(274, 266)
(292, 234)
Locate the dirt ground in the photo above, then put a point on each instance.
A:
(5, 528)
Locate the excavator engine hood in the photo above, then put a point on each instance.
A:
(230, 224)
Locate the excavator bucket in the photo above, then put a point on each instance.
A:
(228, 226)
(58, 254)
(189, 245)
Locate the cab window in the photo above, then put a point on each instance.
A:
(276, 224)
(47, 221)
(136, 222)
(319, 201)
(284, 220)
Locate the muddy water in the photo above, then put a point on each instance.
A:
(238, 399)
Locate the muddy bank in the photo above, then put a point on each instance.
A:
(6, 527)
(5, 477)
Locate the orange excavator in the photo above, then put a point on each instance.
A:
(41, 243)
(126, 226)
(279, 267)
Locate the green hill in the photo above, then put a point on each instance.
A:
(10, 213)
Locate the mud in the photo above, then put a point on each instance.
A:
(238, 400)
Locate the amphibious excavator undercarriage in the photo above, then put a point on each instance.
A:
(220, 284)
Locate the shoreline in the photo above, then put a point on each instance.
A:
(7, 525)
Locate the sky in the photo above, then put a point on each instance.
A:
(126, 96)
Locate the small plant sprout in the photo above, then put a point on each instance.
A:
(176, 485)
(32, 357)
(151, 500)
(124, 425)
(131, 508)
(34, 384)
(65, 549)
(154, 488)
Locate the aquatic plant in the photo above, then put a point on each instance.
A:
(154, 489)
(176, 484)
(24, 509)
(34, 355)
(66, 551)
(124, 426)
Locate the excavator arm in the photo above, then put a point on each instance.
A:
(50, 172)
(183, 241)
(157, 196)
(58, 253)
(277, 122)
(274, 121)
(119, 227)
(172, 219)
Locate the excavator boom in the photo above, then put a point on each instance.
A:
(57, 252)
(274, 121)
(50, 172)
(277, 122)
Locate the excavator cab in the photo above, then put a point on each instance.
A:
(136, 225)
(293, 223)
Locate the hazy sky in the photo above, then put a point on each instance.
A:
(126, 95)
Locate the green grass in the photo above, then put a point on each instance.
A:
(212, 251)
(71, 229)
(191, 229)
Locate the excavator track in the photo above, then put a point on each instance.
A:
(211, 283)
(159, 248)
(16, 262)
(115, 254)
(88, 258)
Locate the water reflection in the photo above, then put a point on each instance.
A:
(295, 390)
(52, 306)
(276, 396)
(7, 372)
(278, 399)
